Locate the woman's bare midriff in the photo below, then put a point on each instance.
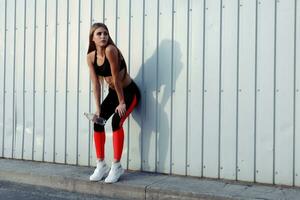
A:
(125, 82)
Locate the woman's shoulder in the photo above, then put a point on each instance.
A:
(90, 56)
(110, 49)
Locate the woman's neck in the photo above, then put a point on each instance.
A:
(100, 51)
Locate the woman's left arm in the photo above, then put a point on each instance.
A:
(111, 53)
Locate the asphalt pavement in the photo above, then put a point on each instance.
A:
(18, 191)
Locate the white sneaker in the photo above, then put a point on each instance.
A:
(101, 170)
(115, 172)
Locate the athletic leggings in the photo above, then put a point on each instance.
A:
(108, 106)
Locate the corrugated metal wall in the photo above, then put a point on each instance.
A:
(220, 84)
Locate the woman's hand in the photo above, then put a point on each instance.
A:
(121, 109)
(97, 113)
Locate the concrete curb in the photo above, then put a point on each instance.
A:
(136, 185)
(70, 181)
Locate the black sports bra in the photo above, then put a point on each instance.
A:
(104, 69)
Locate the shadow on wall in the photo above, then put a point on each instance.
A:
(154, 112)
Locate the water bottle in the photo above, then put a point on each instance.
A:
(95, 118)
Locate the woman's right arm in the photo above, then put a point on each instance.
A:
(96, 85)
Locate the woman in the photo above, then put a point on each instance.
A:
(106, 62)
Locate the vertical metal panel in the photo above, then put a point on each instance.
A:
(135, 63)
(179, 73)
(265, 88)
(90, 142)
(29, 80)
(164, 52)
(228, 89)
(123, 43)
(71, 151)
(19, 71)
(211, 92)
(61, 81)
(297, 93)
(188, 81)
(97, 10)
(55, 81)
(2, 70)
(110, 17)
(50, 81)
(195, 100)
(23, 77)
(9, 80)
(44, 78)
(179, 88)
(295, 134)
(84, 100)
(150, 133)
(67, 80)
(78, 81)
(203, 88)
(246, 90)
(39, 81)
(34, 85)
(14, 110)
(284, 93)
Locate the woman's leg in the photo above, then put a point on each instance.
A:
(99, 140)
(131, 95)
(107, 109)
(118, 131)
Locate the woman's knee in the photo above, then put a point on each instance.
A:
(116, 122)
(98, 127)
